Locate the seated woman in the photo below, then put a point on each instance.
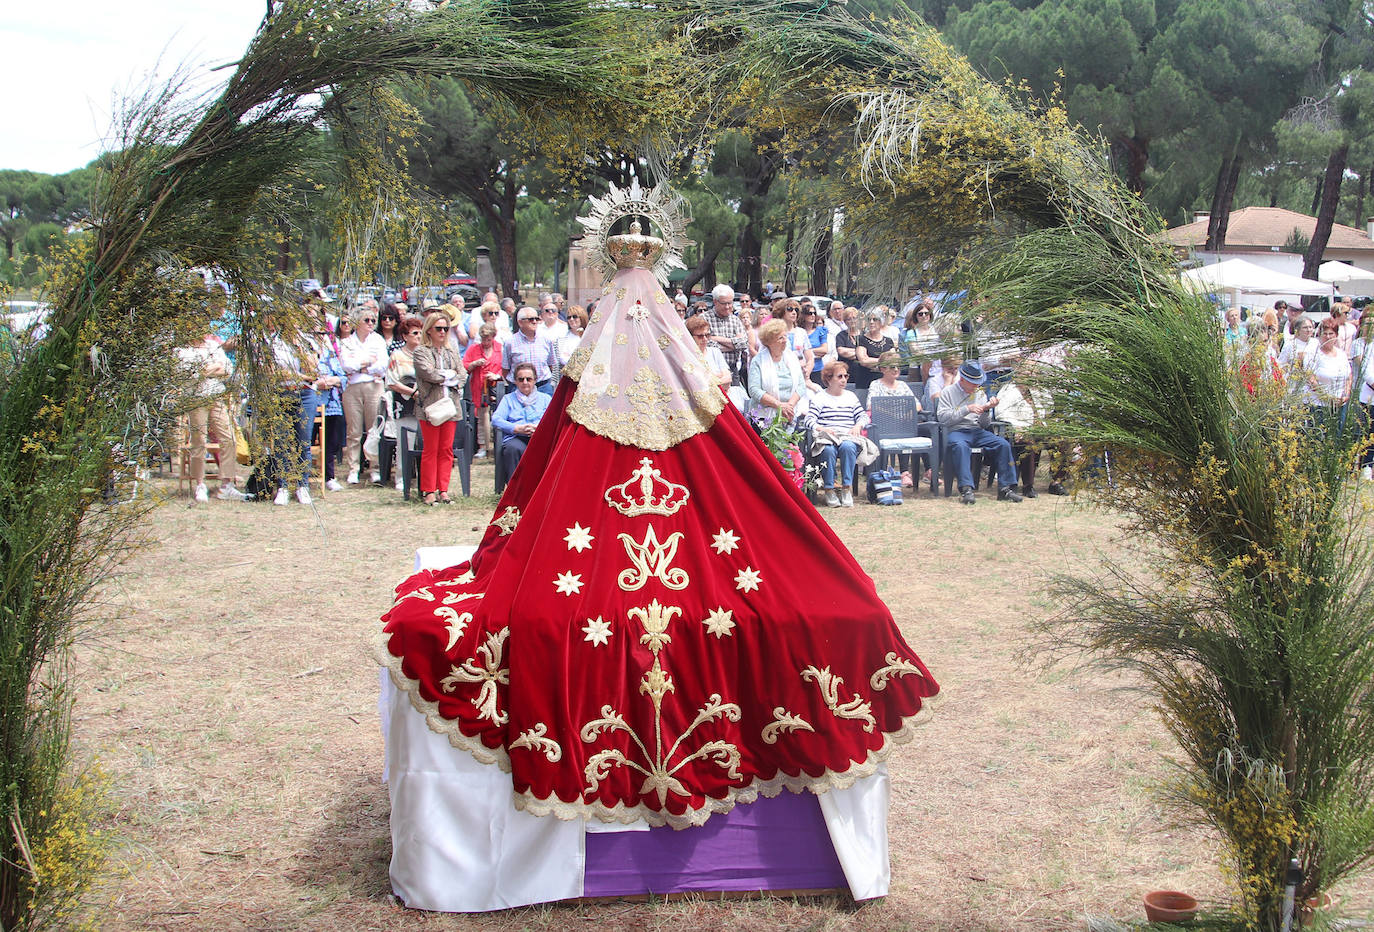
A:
(839, 422)
(518, 415)
(888, 386)
(775, 376)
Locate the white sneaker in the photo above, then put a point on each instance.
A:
(228, 493)
(480, 454)
(353, 477)
(1367, 472)
(831, 499)
(376, 477)
(400, 486)
(334, 485)
(202, 493)
(302, 495)
(281, 498)
(847, 498)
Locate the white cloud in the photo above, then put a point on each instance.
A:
(66, 65)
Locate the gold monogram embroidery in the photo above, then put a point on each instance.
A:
(652, 560)
(643, 352)
(664, 340)
(829, 684)
(621, 339)
(490, 674)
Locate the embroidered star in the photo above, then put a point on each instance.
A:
(569, 583)
(719, 622)
(597, 631)
(747, 579)
(725, 541)
(579, 538)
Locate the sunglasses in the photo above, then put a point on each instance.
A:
(440, 329)
(525, 378)
(923, 313)
(369, 320)
(525, 320)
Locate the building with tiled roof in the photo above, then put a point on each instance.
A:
(1259, 234)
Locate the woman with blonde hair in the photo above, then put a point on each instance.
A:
(775, 377)
(439, 375)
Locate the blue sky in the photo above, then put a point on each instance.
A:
(65, 66)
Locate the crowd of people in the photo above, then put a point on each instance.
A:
(372, 370)
(816, 364)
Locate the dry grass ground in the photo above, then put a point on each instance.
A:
(231, 694)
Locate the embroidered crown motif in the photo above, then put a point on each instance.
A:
(657, 496)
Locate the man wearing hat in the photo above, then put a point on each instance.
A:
(966, 413)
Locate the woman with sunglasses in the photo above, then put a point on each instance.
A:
(518, 414)
(364, 358)
(438, 373)
(920, 340)
(839, 422)
(389, 326)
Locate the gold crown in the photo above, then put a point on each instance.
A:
(633, 250)
(657, 496)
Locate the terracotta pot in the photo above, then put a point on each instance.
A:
(1316, 904)
(1169, 906)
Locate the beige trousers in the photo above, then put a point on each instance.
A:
(214, 421)
(360, 411)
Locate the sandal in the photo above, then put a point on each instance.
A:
(429, 499)
(444, 499)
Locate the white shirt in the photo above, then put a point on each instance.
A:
(197, 359)
(355, 352)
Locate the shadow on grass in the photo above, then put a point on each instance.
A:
(349, 854)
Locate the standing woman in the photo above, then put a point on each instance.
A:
(1328, 381)
(482, 360)
(819, 339)
(364, 359)
(919, 342)
(1298, 349)
(438, 374)
(389, 326)
(568, 343)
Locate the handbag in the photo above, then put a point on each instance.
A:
(372, 444)
(441, 411)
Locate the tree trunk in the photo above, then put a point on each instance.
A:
(1222, 196)
(820, 257)
(709, 251)
(1360, 190)
(283, 247)
(749, 270)
(1137, 158)
(789, 262)
(1316, 198)
(309, 259)
(1326, 215)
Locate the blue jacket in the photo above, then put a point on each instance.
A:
(511, 412)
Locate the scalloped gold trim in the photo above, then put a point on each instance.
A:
(626, 815)
(447, 727)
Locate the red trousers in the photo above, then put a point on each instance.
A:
(436, 460)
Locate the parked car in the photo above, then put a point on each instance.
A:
(460, 278)
(471, 296)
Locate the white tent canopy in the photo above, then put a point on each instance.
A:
(1242, 279)
(1346, 277)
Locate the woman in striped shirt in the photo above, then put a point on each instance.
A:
(839, 421)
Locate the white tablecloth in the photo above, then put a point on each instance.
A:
(458, 844)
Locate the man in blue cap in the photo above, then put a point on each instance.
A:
(965, 412)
